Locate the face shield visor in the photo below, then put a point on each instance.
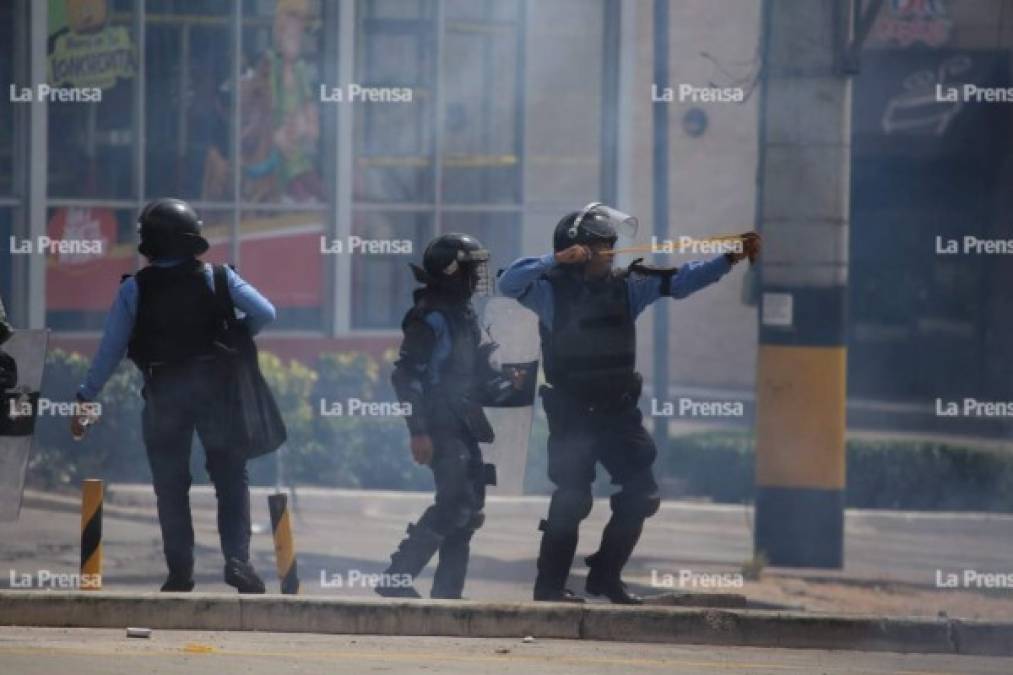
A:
(598, 221)
(474, 268)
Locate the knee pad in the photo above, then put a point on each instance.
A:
(568, 507)
(635, 505)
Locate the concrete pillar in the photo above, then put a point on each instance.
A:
(803, 211)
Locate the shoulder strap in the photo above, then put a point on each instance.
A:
(222, 294)
(666, 273)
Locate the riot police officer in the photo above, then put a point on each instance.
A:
(587, 313)
(443, 372)
(166, 320)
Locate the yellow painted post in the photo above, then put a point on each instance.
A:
(284, 546)
(91, 535)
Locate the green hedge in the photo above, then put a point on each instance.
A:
(372, 452)
(894, 474)
(367, 452)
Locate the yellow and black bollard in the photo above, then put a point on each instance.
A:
(284, 546)
(91, 535)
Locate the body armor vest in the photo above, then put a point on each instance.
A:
(591, 348)
(177, 316)
(457, 390)
(458, 373)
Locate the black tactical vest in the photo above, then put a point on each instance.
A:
(177, 317)
(456, 395)
(458, 373)
(591, 348)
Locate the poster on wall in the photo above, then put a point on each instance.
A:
(905, 23)
(85, 50)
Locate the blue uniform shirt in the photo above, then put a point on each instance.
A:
(523, 281)
(257, 312)
(442, 346)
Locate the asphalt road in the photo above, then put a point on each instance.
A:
(36, 651)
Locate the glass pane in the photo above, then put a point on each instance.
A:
(90, 249)
(563, 160)
(394, 140)
(280, 254)
(189, 103)
(93, 66)
(7, 133)
(281, 139)
(382, 284)
(480, 163)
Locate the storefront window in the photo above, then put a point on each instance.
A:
(92, 60)
(382, 284)
(188, 100)
(481, 145)
(281, 139)
(8, 26)
(93, 247)
(394, 142)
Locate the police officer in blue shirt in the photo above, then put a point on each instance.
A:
(587, 313)
(166, 320)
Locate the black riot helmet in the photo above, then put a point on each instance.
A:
(170, 228)
(595, 222)
(455, 263)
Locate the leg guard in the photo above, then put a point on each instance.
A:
(630, 508)
(568, 507)
(412, 555)
(448, 581)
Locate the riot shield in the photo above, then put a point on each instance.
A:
(20, 394)
(515, 329)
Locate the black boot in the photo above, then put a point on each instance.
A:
(178, 581)
(555, 556)
(412, 555)
(610, 585)
(452, 568)
(241, 575)
(604, 577)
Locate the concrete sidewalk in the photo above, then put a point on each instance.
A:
(892, 558)
(275, 613)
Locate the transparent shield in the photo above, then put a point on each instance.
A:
(515, 329)
(17, 418)
(602, 220)
(624, 224)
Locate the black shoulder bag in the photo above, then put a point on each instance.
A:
(256, 423)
